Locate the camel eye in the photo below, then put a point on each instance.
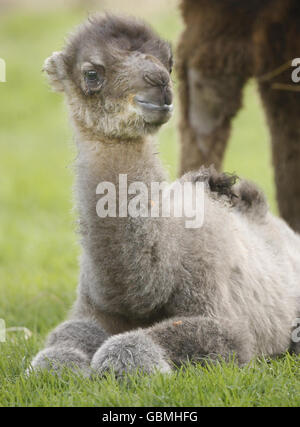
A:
(91, 76)
(94, 79)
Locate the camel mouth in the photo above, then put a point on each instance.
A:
(154, 114)
(168, 108)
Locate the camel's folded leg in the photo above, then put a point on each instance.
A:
(72, 344)
(173, 342)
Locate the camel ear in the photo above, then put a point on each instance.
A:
(55, 67)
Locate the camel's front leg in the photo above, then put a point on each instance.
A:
(171, 343)
(72, 344)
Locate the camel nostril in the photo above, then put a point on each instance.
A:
(157, 79)
(150, 80)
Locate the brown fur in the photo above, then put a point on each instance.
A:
(224, 44)
(219, 183)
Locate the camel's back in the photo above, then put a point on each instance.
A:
(245, 272)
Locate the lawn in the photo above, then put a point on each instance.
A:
(38, 243)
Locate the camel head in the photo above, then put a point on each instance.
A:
(115, 73)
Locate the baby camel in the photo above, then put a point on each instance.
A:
(153, 293)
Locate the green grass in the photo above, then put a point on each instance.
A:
(38, 244)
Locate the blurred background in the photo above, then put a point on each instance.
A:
(38, 243)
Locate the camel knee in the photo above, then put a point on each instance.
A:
(84, 335)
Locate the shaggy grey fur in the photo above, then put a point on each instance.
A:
(128, 351)
(61, 356)
(153, 294)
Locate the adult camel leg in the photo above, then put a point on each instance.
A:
(277, 43)
(214, 60)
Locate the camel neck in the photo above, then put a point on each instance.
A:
(105, 161)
